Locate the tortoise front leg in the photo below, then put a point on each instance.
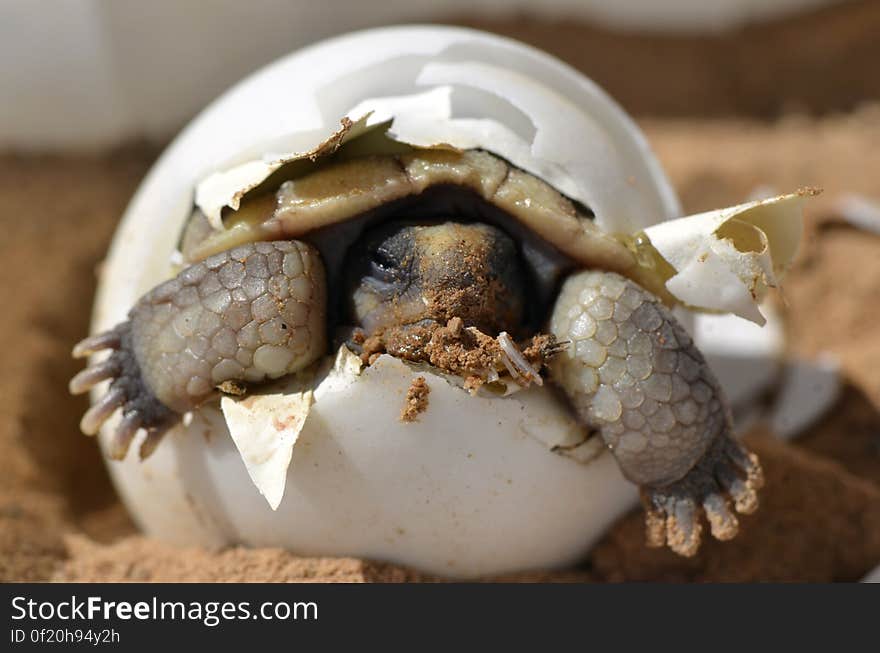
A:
(633, 373)
(253, 313)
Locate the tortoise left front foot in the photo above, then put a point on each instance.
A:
(247, 315)
(633, 373)
(129, 390)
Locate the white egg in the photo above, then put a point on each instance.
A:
(474, 486)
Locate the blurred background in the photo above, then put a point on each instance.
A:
(739, 99)
(91, 73)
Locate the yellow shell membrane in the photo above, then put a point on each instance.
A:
(344, 189)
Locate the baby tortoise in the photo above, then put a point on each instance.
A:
(419, 255)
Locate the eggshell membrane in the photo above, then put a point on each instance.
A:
(472, 487)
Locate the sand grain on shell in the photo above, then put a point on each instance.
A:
(416, 400)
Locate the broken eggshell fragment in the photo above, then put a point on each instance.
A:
(476, 485)
(725, 260)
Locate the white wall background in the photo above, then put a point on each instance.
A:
(90, 73)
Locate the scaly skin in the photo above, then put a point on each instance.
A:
(634, 374)
(253, 313)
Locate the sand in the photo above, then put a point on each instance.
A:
(820, 519)
(416, 400)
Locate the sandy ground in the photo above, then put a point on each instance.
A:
(820, 516)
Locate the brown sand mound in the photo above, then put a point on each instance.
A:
(140, 559)
(809, 508)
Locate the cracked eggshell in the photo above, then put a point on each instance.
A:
(724, 260)
(466, 490)
(473, 487)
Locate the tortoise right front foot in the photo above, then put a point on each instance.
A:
(253, 313)
(634, 374)
(672, 512)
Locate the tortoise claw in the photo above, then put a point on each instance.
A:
(106, 340)
(140, 408)
(672, 512)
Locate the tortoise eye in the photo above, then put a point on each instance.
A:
(384, 259)
(384, 266)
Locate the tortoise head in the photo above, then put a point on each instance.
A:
(405, 273)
